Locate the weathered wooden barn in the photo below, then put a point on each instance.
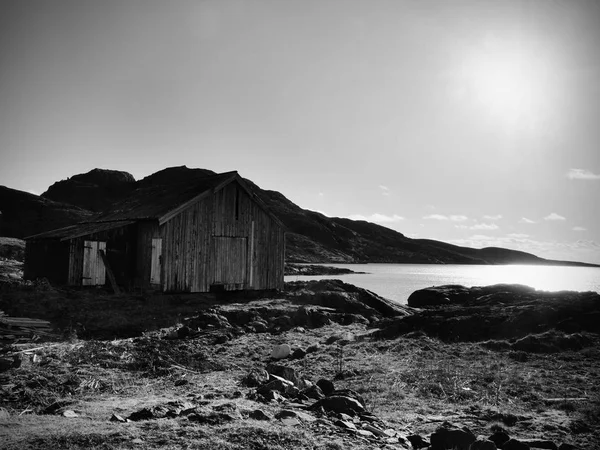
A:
(210, 234)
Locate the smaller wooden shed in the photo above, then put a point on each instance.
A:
(212, 233)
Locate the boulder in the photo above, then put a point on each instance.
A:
(540, 443)
(417, 441)
(515, 444)
(281, 351)
(499, 437)
(258, 414)
(298, 353)
(448, 437)
(327, 386)
(339, 404)
(481, 443)
(439, 296)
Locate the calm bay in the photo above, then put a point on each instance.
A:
(397, 281)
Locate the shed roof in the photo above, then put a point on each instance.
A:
(154, 202)
(161, 202)
(80, 229)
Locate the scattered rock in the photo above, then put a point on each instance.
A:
(515, 444)
(345, 424)
(69, 413)
(211, 419)
(313, 348)
(284, 372)
(184, 332)
(117, 418)
(278, 384)
(565, 446)
(259, 414)
(298, 353)
(350, 393)
(256, 377)
(481, 443)
(181, 382)
(539, 443)
(313, 392)
(281, 351)
(142, 414)
(326, 386)
(417, 441)
(448, 437)
(499, 438)
(288, 413)
(4, 414)
(367, 433)
(260, 326)
(339, 404)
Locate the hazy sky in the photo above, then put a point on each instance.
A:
(472, 122)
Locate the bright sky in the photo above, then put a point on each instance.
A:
(472, 122)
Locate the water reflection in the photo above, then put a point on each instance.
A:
(398, 281)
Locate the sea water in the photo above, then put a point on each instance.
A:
(397, 281)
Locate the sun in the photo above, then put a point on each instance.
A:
(505, 82)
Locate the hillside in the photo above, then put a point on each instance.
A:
(24, 214)
(311, 237)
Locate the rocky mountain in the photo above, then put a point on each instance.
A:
(23, 214)
(311, 237)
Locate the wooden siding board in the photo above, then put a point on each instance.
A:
(195, 255)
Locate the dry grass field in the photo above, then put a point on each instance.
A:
(68, 388)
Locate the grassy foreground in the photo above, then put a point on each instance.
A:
(67, 389)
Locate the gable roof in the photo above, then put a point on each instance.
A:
(78, 230)
(158, 202)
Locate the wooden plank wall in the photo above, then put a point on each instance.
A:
(190, 265)
(186, 244)
(76, 262)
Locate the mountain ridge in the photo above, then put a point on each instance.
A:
(311, 238)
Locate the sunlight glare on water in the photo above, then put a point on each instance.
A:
(398, 281)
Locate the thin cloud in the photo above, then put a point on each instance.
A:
(579, 229)
(377, 218)
(496, 217)
(554, 216)
(518, 235)
(384, 190)
(526, 220)
(582, 174)
(478, 226)
(452, 218)
(320, 194)
(485, 226)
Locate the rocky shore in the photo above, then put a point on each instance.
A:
(315, 269)
(323, 364)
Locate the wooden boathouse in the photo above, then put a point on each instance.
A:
(209, 234)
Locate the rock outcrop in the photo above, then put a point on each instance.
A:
(502, 312)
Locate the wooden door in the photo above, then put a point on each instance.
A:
(156, 261)
(229, 260)
(94, 272)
